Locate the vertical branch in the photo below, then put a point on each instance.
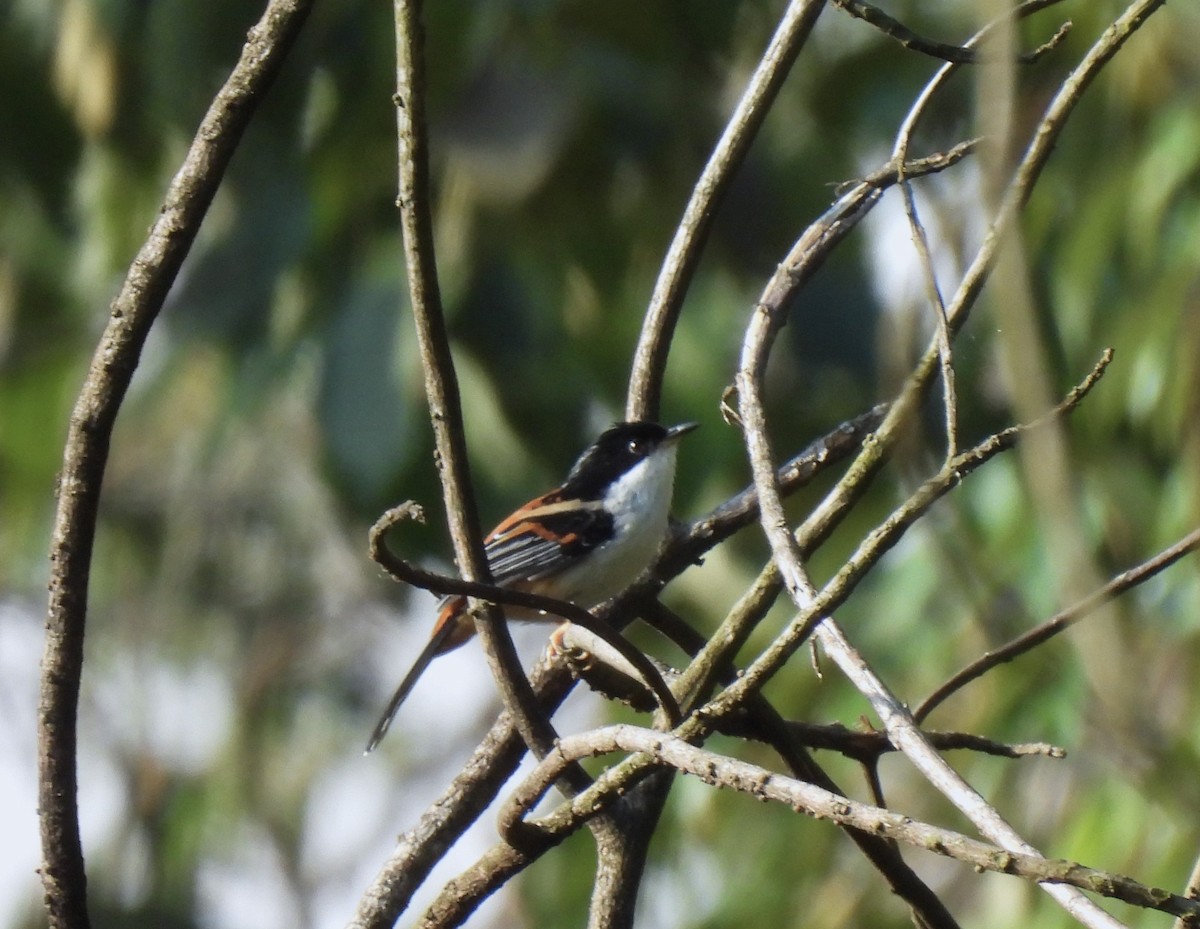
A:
(900, 156)
(89, 434)
(666, 303)
(622, 847)
(441, 384)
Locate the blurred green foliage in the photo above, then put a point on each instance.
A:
(279, 409)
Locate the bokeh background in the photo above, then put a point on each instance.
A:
(239, 641)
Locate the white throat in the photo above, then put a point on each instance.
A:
(640, 499)
(640, 502)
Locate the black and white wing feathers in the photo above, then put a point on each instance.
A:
(545, 536)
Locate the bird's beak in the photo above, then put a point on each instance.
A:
(677, 432)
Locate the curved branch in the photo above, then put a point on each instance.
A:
(85, 454)
(666, 303)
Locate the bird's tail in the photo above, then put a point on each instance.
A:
(453, 628)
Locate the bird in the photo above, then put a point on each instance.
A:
(583, 542)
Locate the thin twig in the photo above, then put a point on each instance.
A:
(85, 454)
(1043, 632)
(867, 747)
(957, 54)
(942, 329)
(943, 75)
(1035, 157)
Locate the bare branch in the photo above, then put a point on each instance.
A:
(943, 75)
(732, 774)
(767, 319)
(866, 747)
(1123, 582)
(622, 852)
(441, 384)
(666, 303)
(942, 328)
(956, 54)
(85, 455)
(889, 532)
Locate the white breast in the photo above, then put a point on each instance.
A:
(640, 502)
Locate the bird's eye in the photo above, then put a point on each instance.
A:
(635, 448)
